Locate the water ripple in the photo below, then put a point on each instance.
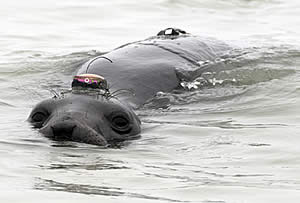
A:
(51, 185)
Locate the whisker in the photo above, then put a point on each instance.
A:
(122, 91)
(55, 94)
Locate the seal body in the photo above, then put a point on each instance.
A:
(157, 64)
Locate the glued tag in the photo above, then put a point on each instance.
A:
(168, 31)
(89, 81)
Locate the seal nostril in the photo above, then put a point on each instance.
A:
(63, 131)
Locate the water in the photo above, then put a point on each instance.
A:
(234, 139)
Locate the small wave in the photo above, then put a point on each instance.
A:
(241, 70)
(35, 75)
(2, 103)
(237, 77)
(26, 62)
(218, 4)
(51, 185)
(228, 124)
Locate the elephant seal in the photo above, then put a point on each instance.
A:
(157, 64)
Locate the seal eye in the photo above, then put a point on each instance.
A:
(120, 124)
(39, 117)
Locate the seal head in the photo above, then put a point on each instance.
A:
(86, 116)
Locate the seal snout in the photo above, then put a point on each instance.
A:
(63, 130)
(67, 129)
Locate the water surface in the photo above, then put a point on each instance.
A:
(235, 139)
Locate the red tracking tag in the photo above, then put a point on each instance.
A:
(89, 81)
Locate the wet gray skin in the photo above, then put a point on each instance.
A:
(83, 118)
(157, 64)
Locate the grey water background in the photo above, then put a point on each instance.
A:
(235, 139)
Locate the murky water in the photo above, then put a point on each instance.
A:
(234, 139)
